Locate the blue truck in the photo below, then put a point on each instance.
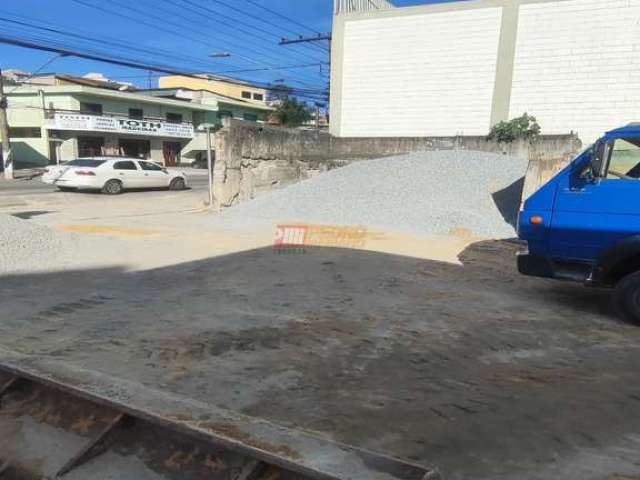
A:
(584, 224)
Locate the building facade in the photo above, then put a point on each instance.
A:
(234, 89)
(52, 124)
(460, 68)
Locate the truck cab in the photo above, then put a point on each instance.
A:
(584, 224)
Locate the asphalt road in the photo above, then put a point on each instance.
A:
(21, 187)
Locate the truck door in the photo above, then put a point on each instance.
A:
(589, 214)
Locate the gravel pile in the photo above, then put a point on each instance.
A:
(27, 246)
(429, 193)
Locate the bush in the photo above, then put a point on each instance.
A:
(292, 113)
(525, 127)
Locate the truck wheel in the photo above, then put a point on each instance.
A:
(626, 298)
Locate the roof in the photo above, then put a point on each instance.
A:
(138, 97)
(221, 98)
(91, 82)
(627, 130)
(220, 78)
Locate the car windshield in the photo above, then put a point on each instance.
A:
(83, 162)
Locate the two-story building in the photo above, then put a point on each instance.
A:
(57, 122)
(228, 87)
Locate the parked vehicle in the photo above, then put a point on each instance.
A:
(112, 175)
(584, 224)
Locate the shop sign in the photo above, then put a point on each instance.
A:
(97, 123)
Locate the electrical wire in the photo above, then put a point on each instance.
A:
(126, 62)
(180, 34)
(38, 70)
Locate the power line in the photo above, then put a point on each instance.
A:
(278, 14)
(243, 12)
(160, 28)
(212, 14)
(99, 40)
(191, 5)
(39, 69)
(130, 63)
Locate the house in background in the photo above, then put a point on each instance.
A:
(55, 118)
(228, 87)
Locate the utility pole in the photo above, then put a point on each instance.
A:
(321, 37)
(4, 133)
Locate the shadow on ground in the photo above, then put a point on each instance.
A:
(508, 201)
(469, 367)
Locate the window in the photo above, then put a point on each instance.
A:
(126, 165)
(152, 167)
(225, 114)
(91, 108)
(258, 96)
(250, 117)
(136, 113)
(84, 163)
(25, 132)
(246, 95)
(624, 162)
(174, 117)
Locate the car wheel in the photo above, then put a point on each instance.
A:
(112, 187)
(626, 298)
(177, 184)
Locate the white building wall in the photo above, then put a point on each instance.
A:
(417, 75)
(577, 65)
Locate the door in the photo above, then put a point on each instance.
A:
(129, 174)
(171, 152)
(154, 175)
(90, 146)
(135, 148)
(590, 215)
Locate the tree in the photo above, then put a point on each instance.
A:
(292, 113)
(525, 127)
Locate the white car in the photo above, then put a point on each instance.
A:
(112, 175)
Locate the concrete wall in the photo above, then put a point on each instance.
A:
(578, 65)
(254, 158)
(400, 74)
(464, 66)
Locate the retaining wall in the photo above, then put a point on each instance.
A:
(252, 158)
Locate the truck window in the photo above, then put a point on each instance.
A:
(625, 159)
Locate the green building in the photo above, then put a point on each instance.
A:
(73, 117)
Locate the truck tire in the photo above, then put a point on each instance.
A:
(626, 298)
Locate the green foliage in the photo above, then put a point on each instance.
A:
(525, 127)
(292, 113)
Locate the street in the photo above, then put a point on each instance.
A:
(17, 188)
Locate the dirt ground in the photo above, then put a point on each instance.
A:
(454, 361)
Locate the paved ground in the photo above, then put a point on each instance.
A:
(25, 187)
(467, 365)
(471, 368)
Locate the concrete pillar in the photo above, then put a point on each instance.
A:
(506, 60)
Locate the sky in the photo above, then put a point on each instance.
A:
(181, 34)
